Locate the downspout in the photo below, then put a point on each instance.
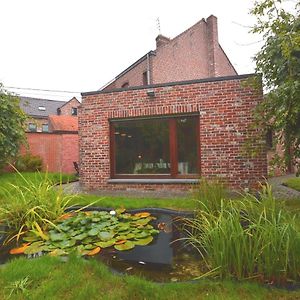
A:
(148, 69)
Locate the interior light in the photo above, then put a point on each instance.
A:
(117, 132)
(130, 136)
(123, 134)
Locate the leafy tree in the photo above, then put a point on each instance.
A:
(12, 120)
(279, 63)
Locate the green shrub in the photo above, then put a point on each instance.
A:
(29, 163)
(248, 239)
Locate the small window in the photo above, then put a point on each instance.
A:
(32, 127)
(45, 128)
(42, 108)
(125, 85)
(145, 78)
(74, 111)
(59, 111)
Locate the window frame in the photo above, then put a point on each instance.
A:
(34, 129)
(74, 111)
(173, 149)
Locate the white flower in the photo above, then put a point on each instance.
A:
(112, 212)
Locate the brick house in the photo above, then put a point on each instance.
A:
(52, 132)
(38, 111)
(193, 54)
(165, 132)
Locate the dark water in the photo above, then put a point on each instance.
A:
(166, 259)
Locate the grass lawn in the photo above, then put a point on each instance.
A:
(293, 183)
(14, 178)
(78, 278)
(49, 278)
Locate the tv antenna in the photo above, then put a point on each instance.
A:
(158, 25)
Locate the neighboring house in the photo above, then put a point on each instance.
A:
(52, 132)
(193, 54)
(38, 111)
(194, 121)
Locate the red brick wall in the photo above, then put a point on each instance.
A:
(57, 150)
(193, 54)
(67, 108)
(225, 109)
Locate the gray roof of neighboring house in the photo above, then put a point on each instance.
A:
(31, 106)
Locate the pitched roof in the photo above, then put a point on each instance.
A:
(47, 107)
(63, 123)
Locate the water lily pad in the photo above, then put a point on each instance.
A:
(19, 250)
(34, 248)
(105, 236)
(126, 246)
(106, 244)
(141, 235)
(93, 232)
(142, 214)
(144, 241)
(80, 237)
(67, 244)
(94, 251)
(57, 252)
(143, 221)
(57, 237)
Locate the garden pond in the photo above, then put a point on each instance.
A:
(148, 242)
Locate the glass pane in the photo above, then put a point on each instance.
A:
(187, 145)
(142, 147)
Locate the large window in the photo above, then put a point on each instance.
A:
(165, 147)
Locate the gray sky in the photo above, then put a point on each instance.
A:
(78, 45)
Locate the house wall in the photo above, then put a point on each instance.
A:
(66, 110)
(193, 54)
(38, 121)
(58, 150)
(225, 108)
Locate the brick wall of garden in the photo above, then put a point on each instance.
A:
(57, 150)
(225, 107)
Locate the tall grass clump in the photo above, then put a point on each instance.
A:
(31, 205)
(248, 238)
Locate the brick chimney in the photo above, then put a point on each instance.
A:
(161, 40)
(213, 44)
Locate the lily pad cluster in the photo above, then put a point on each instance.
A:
(88, 232)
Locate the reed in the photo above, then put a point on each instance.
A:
(247, 238)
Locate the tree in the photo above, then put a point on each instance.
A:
(279, 63)
(12, 120)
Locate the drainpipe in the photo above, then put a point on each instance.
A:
(148, 69)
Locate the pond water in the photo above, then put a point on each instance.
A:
(165, 259)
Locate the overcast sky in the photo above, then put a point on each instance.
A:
(80, 45)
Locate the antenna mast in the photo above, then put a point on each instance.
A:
(158, 25)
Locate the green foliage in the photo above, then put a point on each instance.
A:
(31, 205)
(29, 163)
(248, 239)
(12, 120)
(279, 63)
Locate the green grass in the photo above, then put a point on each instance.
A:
(132, 203)
(7, 179)
(293, 183)
(49, 278)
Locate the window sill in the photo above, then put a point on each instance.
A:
(154, 181)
